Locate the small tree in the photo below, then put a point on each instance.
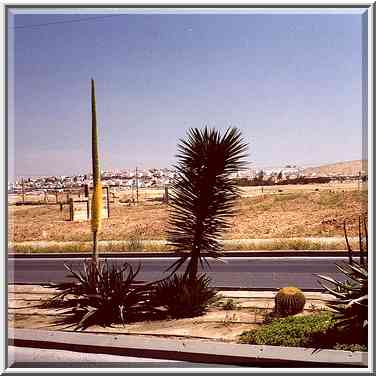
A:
(202, 194)
(261, 175)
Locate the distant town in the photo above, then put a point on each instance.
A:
(159, 178)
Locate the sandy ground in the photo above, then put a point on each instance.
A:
(297, 211)
(24, 311)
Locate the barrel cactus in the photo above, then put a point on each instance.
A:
(289, 301)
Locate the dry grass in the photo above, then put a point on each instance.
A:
(300, 214)
(303, 212)
(77, 247)
(48, 223)
(161, 246)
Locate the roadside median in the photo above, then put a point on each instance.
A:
(255, 253)
(161, 247)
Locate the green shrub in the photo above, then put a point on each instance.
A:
(351, 347)
(293, 331)
(182, 297)
(316, 330)
(229, 305)
(136, 240)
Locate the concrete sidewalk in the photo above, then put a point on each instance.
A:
(186, 350)
(28, 357)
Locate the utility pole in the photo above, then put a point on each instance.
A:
(166, 194)
(23, 191)
(359, 179)
(136, 185)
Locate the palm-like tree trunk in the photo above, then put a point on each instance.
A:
(192, 268)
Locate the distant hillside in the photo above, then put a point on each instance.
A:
(349, 168)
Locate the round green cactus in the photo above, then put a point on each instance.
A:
(289, 301)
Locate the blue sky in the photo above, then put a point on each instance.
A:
(291, 82)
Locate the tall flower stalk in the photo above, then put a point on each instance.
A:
(97, 201)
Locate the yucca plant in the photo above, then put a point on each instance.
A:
(182, 297)
(202, 194)
(97, 200)
(104, 295)
(351, 304)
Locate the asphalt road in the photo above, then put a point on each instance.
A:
(232, 272)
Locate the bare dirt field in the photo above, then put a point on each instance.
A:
(268, 213)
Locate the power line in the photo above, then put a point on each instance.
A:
(64, 22)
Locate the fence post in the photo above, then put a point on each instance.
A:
(108, 201)
(88, 208)
(23, 191)
(359, 179)
(86, 187)
(71, 209)
(166, 194)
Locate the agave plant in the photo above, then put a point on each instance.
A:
(351, 304)
(202, 194)
(103, 295)
(182, 297)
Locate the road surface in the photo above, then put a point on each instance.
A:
(231, 272)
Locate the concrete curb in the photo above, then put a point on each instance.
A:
(219, 288)
(196, 351)
(38, 289)
(278, 253)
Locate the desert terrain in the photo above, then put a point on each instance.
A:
(275, 212)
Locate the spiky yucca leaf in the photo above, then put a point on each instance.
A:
(351, 304)
(182, 297)
(103, 294)
(202, 194)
